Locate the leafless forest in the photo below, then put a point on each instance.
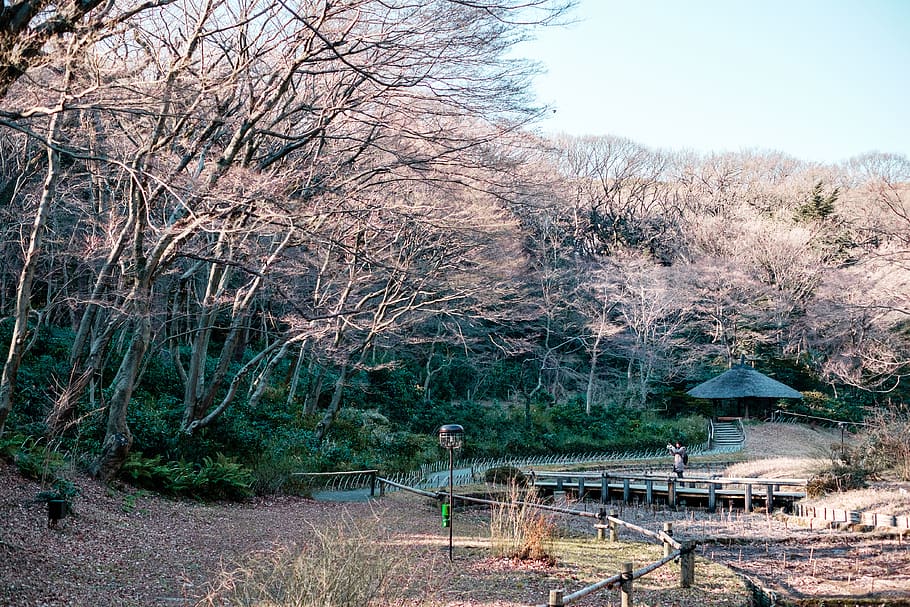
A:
(252, 192)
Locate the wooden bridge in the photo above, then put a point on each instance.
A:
(668, 489)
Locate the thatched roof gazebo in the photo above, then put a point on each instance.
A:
(742, 381)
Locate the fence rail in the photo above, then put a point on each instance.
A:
(673, 549)
(344, 481)
(781, 416)
(469, 471)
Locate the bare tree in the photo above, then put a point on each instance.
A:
(34, 245)
(654, 305)
(619, 185)
(596, 302)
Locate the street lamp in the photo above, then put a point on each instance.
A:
(451, 437)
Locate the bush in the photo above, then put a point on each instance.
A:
(32, 458)
(886, 446)
(837, 478)
(221, 478)
(521, 531)
(506, 475)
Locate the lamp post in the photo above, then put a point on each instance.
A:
(451, 437)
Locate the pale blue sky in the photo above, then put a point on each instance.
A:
(818, 80)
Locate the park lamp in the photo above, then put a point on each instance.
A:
(451, 437)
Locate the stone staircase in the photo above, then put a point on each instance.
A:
(727, 433)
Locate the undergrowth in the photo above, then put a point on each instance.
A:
(218, 478)
(349, 564)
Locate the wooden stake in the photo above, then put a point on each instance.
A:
(555, 599)
(626, 585)
(687, 565)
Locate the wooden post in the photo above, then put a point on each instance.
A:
(372, 484)
(770, 499)
(381, 489)
(671, 492)
(601, 517)
(555, 599)
(668, 529)
(748, 505)
(604, 488)
(626, 491)
(625, 585)
(687, 565)
(649, 491)
(581, 489)
(712, 497)
(614, 528)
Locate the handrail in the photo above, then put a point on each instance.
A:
(344, 473)
(718, 480)
(478, 500)
(610, 582)
(777, 413)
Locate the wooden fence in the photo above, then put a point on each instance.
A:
(673, 549)
(851, 517)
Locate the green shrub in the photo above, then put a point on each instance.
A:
(32, 457)
(222, 478)
(214, 479)
(506, 475)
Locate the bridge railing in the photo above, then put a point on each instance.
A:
(707, 487)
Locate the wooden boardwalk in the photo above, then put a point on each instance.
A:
(707, 491)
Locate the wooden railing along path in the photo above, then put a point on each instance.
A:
(684, 551)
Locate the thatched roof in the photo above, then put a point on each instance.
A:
(742, 381)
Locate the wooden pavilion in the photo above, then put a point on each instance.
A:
(739, 386)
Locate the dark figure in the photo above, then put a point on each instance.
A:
(680, 458)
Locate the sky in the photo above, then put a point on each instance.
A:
(820, 80)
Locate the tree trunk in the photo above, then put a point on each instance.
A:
(322, 428)
(314, 388)
(27, 276)
(117, 439)
(295, 377)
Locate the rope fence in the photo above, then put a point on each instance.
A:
(781, 416)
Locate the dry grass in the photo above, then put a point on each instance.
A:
(520, 530)
(344, 564)
(886, 498)
(121, 548)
